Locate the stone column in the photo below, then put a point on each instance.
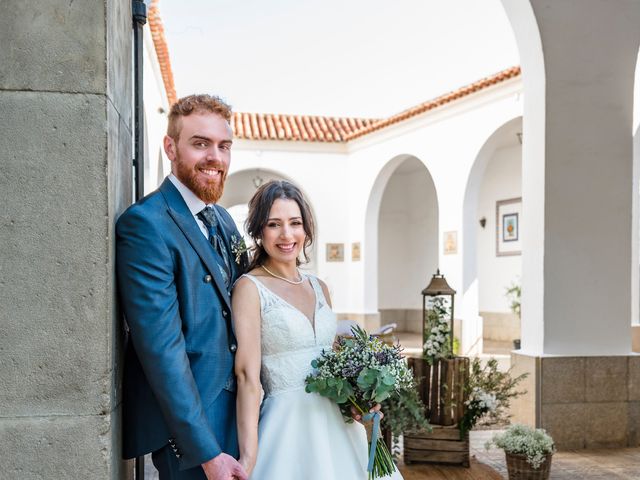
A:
(578, 60)
(65, 151)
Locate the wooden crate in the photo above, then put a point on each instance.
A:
(441, 388)
(442, 445)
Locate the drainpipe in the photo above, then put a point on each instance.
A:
(139, 13)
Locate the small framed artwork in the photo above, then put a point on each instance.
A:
(450, 243)
(355, 252)
(508, 218)
(335, 252)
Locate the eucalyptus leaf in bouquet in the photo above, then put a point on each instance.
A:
(361, 372)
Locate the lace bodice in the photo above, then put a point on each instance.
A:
(288, 340)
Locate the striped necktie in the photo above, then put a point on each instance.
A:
(210, 220)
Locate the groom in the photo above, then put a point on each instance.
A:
(178, 255)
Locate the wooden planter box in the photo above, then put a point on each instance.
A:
(442, 445)
(441, 388)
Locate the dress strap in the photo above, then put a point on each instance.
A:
(263, 292)
(317, 288)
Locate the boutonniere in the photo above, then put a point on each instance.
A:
(238, 247)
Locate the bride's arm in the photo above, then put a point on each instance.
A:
(246, 314)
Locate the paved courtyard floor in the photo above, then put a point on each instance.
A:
(620, 464)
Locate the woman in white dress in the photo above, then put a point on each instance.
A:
(283, 320)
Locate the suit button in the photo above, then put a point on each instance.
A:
(225, 314)
(207, 279)
(233, 347)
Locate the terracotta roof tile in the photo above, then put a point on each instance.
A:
(162, 50)
(487, 82)
(306, 128)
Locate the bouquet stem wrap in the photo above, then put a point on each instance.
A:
(375, 432)
(361, 372)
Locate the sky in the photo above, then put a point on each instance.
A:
(360, 58)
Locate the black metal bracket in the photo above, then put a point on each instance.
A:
(139, 12)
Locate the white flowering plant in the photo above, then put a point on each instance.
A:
(489, 392)
(361, 372)
(437, 344)
(534, 443)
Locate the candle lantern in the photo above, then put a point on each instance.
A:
(438, 287)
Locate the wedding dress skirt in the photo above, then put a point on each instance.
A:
(302, 436)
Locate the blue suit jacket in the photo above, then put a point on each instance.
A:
(181, 350)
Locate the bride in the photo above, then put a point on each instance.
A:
(283, 320)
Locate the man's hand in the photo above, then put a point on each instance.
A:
(357, 416)
(224, 467)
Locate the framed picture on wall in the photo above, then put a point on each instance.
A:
(355, 252)
(450, 243)
(335, 252)
(508, 218)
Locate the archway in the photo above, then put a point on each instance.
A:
(401, 241)
(490, 265)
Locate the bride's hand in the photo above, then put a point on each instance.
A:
(357, 416)
(247, 464)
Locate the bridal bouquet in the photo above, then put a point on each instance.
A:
(361, 372)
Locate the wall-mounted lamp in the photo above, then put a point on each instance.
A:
(257, 180)
(483, 222)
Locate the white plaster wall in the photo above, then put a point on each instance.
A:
(502, 180)
(156, 108)
(408, 237)
(345, 184)
(448, 142)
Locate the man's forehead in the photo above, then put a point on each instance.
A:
(205, 124)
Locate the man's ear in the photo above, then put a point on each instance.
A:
(169, 147)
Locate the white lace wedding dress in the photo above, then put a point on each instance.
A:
(302, 436)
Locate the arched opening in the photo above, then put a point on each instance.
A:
(402, 240)
(491, 258)
(238, 190)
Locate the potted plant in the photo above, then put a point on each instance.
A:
(528, 452)
(514, 294)
(489, 393)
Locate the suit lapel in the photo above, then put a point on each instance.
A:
(225, 231)
(182, 216)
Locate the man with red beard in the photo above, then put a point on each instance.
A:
(178, 255)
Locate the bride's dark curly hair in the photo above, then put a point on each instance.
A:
(259, 209)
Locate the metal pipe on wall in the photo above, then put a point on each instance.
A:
(139, 14)
(139, 11)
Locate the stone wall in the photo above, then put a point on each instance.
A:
(65, 104)
(583, 402)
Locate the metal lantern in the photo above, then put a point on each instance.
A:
(437, 287)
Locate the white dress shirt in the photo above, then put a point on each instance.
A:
(194, 204)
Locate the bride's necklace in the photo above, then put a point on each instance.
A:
(292, 282)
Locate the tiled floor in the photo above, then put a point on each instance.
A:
(621, 464)
(618, 464)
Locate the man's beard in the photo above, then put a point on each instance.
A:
(209, 192)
